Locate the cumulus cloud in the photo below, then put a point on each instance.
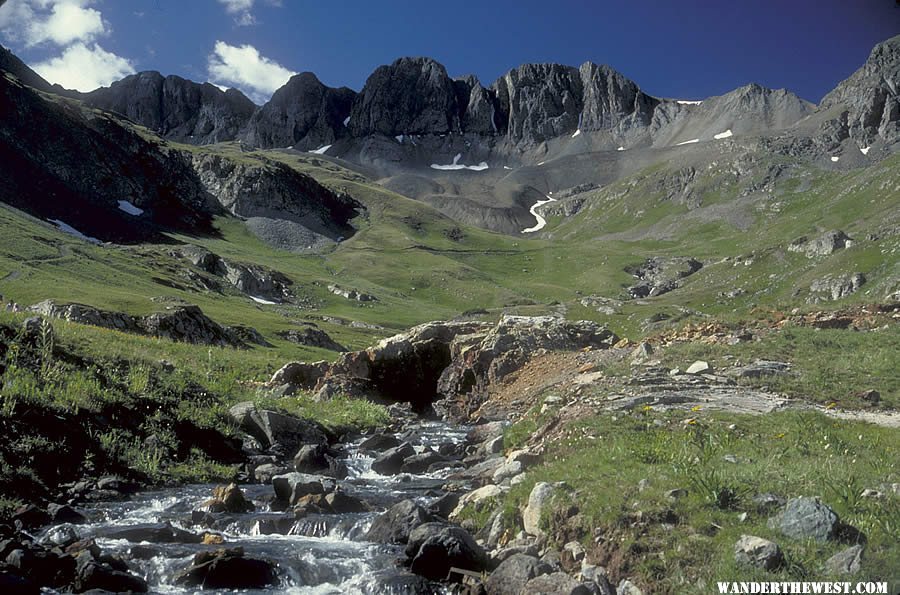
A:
(243, 67)
(241, 10)
(84, 68)
(60, 22)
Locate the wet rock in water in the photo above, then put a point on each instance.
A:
(420, 463)
(284, 433)
(60, 536)
(151, 532)
(13, 584)
(400, 583)
(290, 487)
(63, 513)
(806, 518)
(758, 552)
(311, 458)
(227, 569)
(845, 562)
(44, 567)
(513, 573)
(115, 578)
(30, 516)
(395, 525)
(342, 503)
(264, 473)
(451, 547)
(557, 583)
(392, 460)
(379, 442)
(228, 498)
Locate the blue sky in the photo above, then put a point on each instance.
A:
(688, 49)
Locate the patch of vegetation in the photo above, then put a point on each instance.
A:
(683, 541)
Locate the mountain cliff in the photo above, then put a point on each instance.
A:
(175, 108)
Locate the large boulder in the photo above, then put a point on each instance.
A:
(277, 431)
(556, 583)
(228, 498)
(513, 573)
(151, 532)
(806, 518)
(227, 569)
(391, 461)
(291, 487)
(450, 547)
(395, 525)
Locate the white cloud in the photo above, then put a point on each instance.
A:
(244, 67)
(241, 10)
(60, 22)
(84, 68)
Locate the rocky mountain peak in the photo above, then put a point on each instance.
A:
(304, 113)
(409, 96)
(867, 104)
(176, 108)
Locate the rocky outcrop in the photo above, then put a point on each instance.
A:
(660, 275)
(835, 287)
(311, 337)
(176, 108)
(351, 294)
(452, 361)
(186, 324)
(303, 114)
(823, 245)
(282, 433)
(260, 188)
(480, 360)
(866, 106)
(252, 280)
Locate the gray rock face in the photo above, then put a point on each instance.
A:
(845, 562)
(806, 518)
(866, 106)
(276, 430)
(396, 525)
(311, 337)
(513, 573)
(827, 243)
(540, 101)
(660, 275)
(177, 109)
(835, 288)
(186, 324)
(264, 188)
(304, 114)
(410, 96)
(758, 552)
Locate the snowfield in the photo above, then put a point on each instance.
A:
(260, 300)
(688, 102)
(688, 142)
(457, 165)
(541, 222)
(722, 135)
(129, 208)
(66, 228)
(321, 150)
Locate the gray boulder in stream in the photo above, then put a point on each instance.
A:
(445, 548)
(278, 431)
(227, 569)
(395, 525)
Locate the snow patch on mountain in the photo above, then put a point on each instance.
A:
(129, 208)
(688, 142)
(321, 150)
(457, 165)
(66, 228)
(722, 135)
